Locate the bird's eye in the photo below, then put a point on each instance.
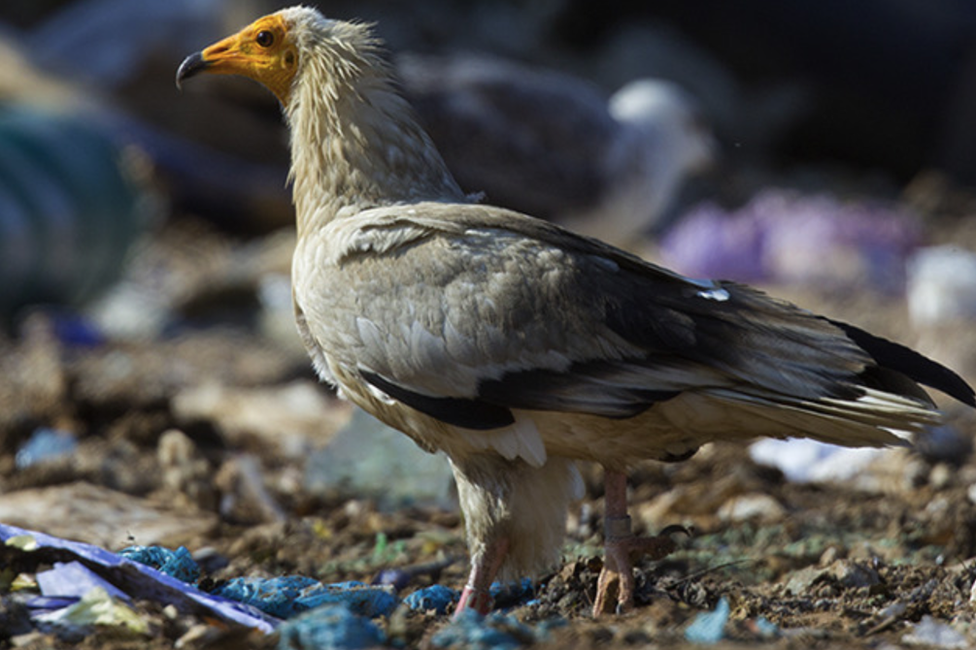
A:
(265, 38)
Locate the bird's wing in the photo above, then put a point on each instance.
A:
(465, 312)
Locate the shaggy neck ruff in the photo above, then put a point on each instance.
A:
(355, 143)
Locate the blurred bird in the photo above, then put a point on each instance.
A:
(551, 145)
(517, 347)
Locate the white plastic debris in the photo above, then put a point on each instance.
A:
(936, 634)
(941, 285)
(804, 461)
(97, 607)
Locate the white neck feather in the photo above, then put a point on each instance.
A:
(355, 143)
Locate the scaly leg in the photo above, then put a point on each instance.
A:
(483, 569)
(621, 545)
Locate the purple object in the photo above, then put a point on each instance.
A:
(140, 581)
(782, 236)
(74, 580)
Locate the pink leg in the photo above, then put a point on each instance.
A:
(618, 572)
(476, 595)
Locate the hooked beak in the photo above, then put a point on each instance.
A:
(191, 66)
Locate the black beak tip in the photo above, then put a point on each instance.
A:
(191, 65)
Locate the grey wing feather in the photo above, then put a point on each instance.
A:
(514, 313)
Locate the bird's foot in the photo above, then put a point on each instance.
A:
(477, 599)
(616, 580)
(483, 569)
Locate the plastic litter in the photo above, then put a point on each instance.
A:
(69, 580)
(400, 577)
(136, 580)
(45, 445)
(785, 236)
(766, 628)
(327, 628)
(287, 596)
(96, 607)
(709, 627)
(367, 458)
(435, 598)
(510, 594)
(936, 634)
(178, 563)
(75, 331)
(472, 631)
(69, 209)
(941, 286)
(803, 460)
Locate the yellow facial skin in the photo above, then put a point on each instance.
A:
(261, 51)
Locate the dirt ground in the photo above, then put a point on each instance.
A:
(854, 564)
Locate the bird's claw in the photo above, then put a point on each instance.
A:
(617, 576)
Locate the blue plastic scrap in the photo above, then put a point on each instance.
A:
(472, 631)
(510, 594)
(45, 445)
(362, 599)
(766, 628)
(137, 580)
(435, 598)
(275, 596)
(178, 563)
(329, 628)
(287, 596)
(709, 627)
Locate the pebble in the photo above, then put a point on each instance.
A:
(845, 573)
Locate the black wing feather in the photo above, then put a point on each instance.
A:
(899, 358)
(466, 413)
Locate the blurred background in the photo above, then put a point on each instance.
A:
(739, 117)
(823, 150)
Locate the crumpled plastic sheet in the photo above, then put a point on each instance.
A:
(510, 594)
(327, 628)
(133, 579)
(286, 596)
(321, 616)
(435, 598)
(178, 564)
(497, 631)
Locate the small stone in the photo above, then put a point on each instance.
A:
(831, 555)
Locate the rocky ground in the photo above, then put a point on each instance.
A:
(197, 433)
(192, 417)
